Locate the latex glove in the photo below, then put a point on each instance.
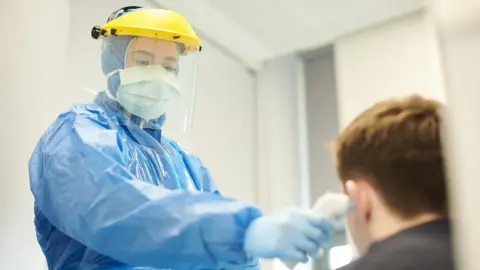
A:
(291, 235)
(335, 206)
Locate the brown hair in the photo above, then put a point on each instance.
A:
(397, 147)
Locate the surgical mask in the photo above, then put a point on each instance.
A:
(146, 91)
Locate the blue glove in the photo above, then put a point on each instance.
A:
(289, 235)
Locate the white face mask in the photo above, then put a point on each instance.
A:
(146, 91)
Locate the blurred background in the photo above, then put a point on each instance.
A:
(277, 80)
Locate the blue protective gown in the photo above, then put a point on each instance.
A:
(110, 195)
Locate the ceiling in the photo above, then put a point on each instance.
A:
(254, 31)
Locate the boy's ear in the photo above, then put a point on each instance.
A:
(359, 192)
(351, 190)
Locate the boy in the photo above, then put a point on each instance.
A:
(391, 165)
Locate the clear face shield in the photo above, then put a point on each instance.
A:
(188, 78)
(158, 78)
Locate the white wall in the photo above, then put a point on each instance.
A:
(31, 88)
(224, 131)
(394, 59)
(32, 94)
(323, 124)
(321, 100)
(459, 34)
(278, 150)
(278, 166)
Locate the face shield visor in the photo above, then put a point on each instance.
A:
(160, 65)
(159, 75)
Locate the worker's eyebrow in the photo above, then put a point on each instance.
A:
(171, 59)
(143, 53)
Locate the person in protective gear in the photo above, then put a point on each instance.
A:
(112, 193)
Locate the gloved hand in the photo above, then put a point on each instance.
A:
(291, 235)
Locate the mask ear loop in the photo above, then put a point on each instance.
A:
(108, 93)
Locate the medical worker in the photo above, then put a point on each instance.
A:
(112, 193)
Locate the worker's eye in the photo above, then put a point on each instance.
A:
(171, 69)
(142, 62)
